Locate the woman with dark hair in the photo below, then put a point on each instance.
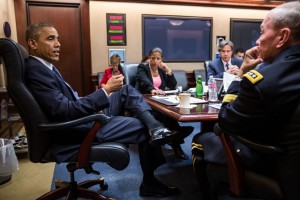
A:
(114, 69)
(154, 77)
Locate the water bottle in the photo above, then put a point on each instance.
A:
(4, 107)
(199, 87)
(212, 89)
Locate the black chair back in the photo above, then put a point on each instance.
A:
(99, 78)
(181, 79)
(129, 70)
(13, 60)
(203, 74)
(206, 64)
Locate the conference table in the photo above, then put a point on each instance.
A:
(202, 112)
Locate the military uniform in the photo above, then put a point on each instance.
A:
(263, 107)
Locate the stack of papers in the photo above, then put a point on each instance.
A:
(217, 106)
(170, 91)
(175, 100)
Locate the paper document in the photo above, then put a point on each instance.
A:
(217, 106)
(193, 90)
(170, 91)
(193, 100)
(196, 100)
(227, 79)
(175, 99)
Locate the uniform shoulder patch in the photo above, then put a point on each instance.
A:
(253, 76)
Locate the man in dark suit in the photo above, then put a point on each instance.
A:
(61, 103)
(226, 63)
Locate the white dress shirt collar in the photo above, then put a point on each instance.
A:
(44, 62)
(224, 63)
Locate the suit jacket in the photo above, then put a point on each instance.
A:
(58, 102)
(216, 68)
(55, 97)
(144, 81)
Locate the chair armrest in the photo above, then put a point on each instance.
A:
(69, 124)
(235, 171)
(85, 148)
(256, 146)
(259, 147)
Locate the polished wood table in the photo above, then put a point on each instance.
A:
(203, 113)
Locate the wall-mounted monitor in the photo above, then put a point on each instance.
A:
(182, 39)
(244, 32)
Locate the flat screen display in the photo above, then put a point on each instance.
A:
(244, 33)
(182, 39)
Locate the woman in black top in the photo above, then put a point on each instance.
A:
(153, 78)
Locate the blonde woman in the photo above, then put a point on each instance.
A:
(114, 69)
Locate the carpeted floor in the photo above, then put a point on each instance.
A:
(124, 185)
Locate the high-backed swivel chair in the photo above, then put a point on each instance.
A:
(41, 145)
(206, 63)
(181, 79)
(201, 72)
(243, 182)
(129, 70)
(99, 78)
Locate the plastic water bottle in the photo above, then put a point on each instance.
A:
(4, 107)
(199, 87)
(212, 89)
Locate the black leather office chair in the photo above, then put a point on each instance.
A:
(129, 70)
(206, 63)
(39, 131)
(99, 77)
(181, 79)
(243, 183)
(201, 72)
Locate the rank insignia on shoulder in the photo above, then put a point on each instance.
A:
(229, 98)
(253, 76)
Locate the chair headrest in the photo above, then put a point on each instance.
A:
(24, 51)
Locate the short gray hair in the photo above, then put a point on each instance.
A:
(287, 15)
(224, 43)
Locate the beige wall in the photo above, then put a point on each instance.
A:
(98, 9)
(7, 13)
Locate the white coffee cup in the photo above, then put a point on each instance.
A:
(184, 111)
(184, 99)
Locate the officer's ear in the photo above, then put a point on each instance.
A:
(284, 35)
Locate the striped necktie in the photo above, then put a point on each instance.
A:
(227, 66)
(75, 94)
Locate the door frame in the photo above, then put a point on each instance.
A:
(22, 23)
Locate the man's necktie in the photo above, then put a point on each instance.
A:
(227, 66)
(75, 94)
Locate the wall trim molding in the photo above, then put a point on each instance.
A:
(257, 4)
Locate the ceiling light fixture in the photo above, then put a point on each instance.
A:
(176, 22)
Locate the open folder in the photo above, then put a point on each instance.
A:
(172, 100)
